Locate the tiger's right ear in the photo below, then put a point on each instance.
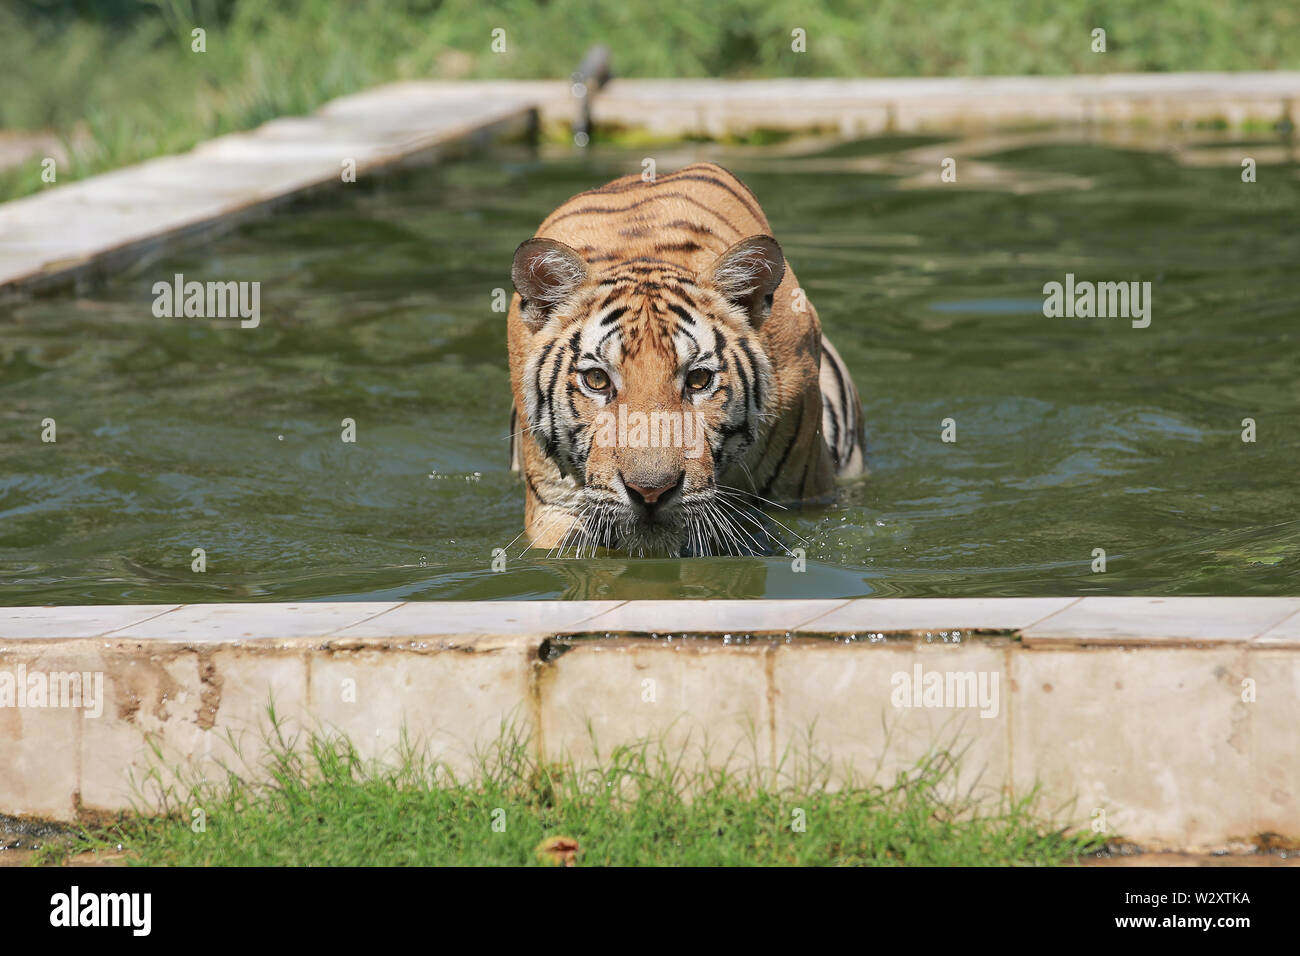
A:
(545, 273)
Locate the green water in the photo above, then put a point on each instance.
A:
(376, 301)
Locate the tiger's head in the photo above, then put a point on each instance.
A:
(644, 383)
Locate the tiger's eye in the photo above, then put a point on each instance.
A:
(698, 379)
(595, 379)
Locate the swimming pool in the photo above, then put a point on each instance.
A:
(376, 306)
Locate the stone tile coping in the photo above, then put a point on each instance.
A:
(1269, 84)
(868, 106)
(1109, 621)
(106, 222)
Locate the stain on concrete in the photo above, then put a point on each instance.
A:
(145, 682)
(210, 683)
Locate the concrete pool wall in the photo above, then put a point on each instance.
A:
(1170, 722)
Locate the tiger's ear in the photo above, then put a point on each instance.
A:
(545, 273)
(748, 274)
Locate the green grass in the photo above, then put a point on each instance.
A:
(320, 804)
(127, 87)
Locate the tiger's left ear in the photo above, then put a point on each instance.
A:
(748, 274)
(545, 273)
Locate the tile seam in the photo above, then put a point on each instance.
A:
(1047, 617)
(366, 620)
(1274, 626)
(830, 610)
(153, 617)
(591, 617)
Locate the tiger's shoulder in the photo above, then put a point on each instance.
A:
(688, 217)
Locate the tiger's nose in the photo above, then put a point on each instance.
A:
(652, 491)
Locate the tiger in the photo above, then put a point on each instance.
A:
(665, 299)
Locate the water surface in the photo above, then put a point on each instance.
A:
(1072, 434)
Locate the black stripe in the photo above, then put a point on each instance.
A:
(686, 245)
(835, 431)
(848, 407)
(573, 432)
(691, 172)
(746, 383)
(533, 488)
(683, 313)
(550, 404)
(785, 454)
(591, 210)
(686, 297)
(743, 343)
(689, 226)
(730, 431)
(537, 375)
(600, 346)
(839, 377)
(613, 297)
(653, 261)
(719, 341)
(750, 207)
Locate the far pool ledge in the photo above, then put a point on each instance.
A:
(79, 233)
(1172, 722)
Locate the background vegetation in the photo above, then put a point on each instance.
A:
(117, 82)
